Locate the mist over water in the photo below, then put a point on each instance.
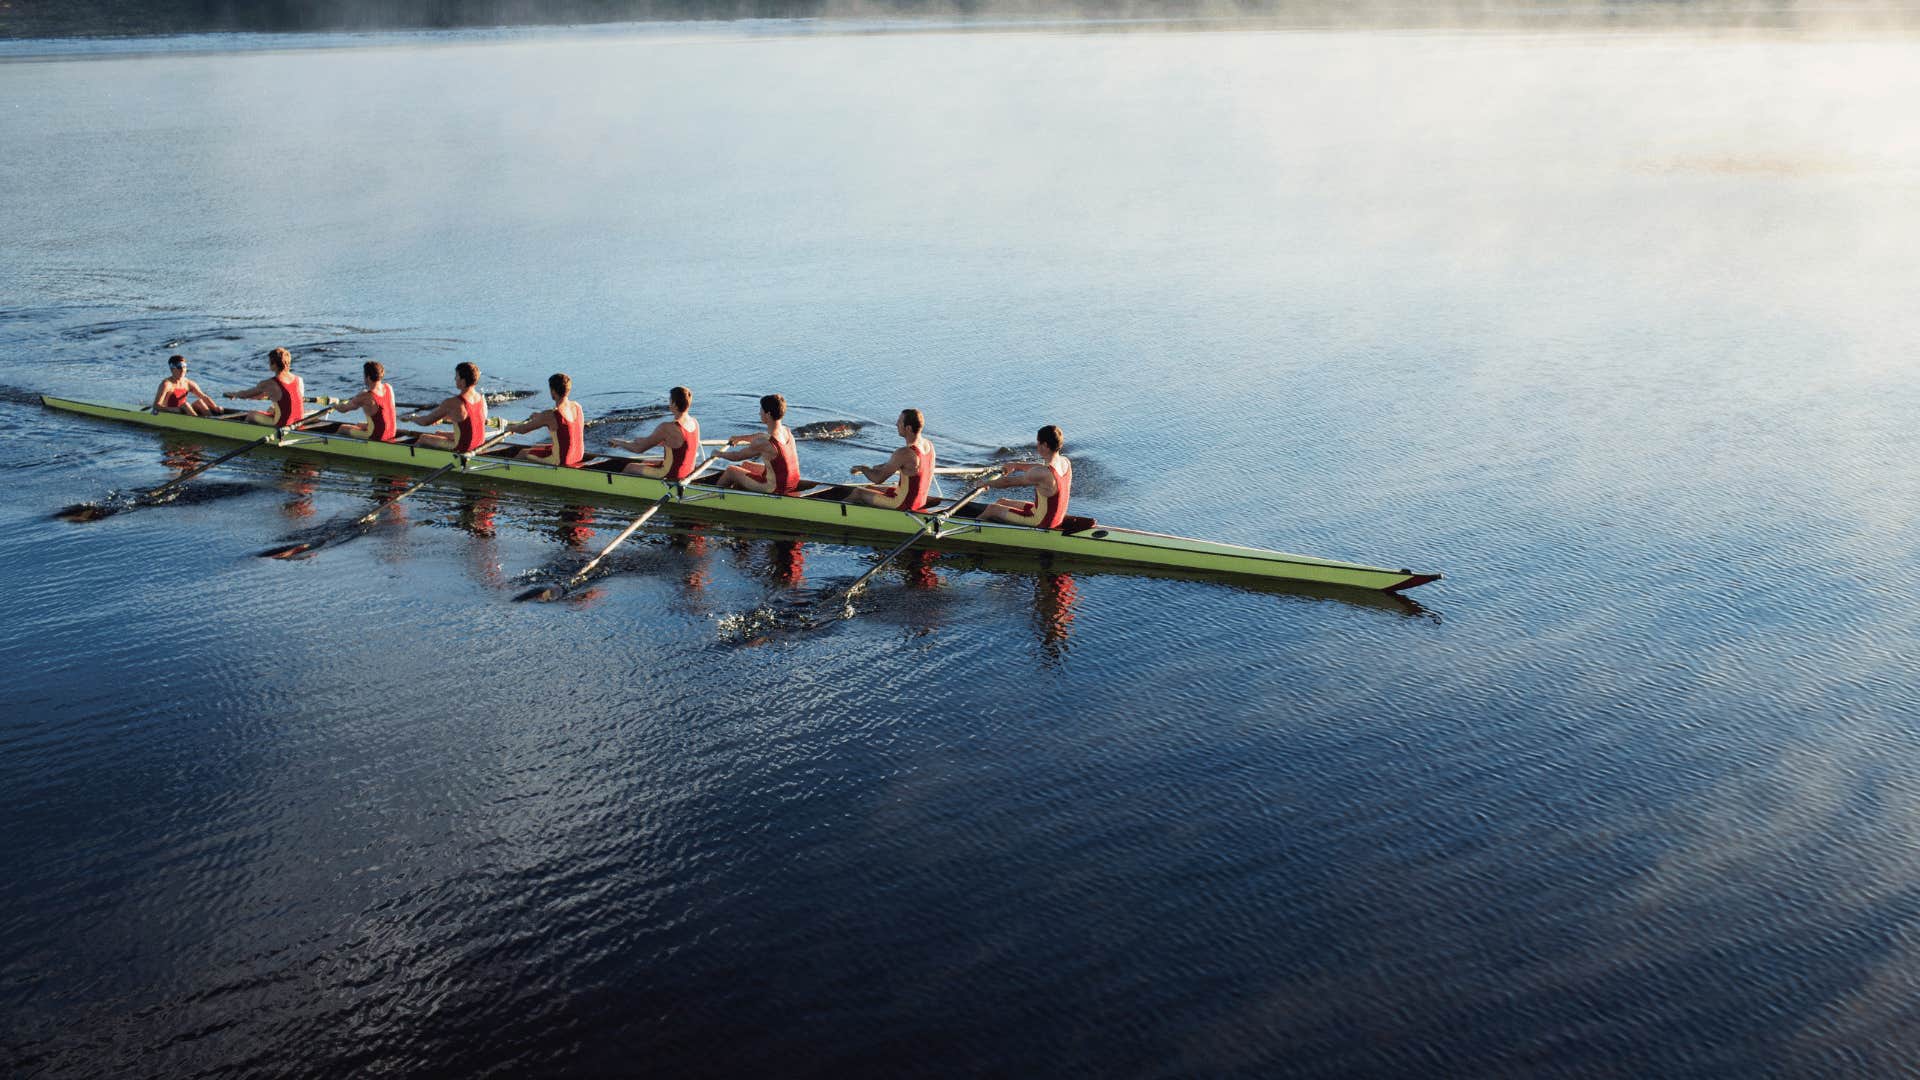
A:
(1616, 330)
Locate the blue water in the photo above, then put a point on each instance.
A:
(1615, 330)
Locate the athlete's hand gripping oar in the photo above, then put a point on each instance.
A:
(288, 551)
(555, 592)
(931, 523)
(492, 421)
(86, 511)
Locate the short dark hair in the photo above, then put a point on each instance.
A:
(559, 383)
(913, 420)
(467, 373)
(374, 369)
(1052, 437)
(681, 397)
(280, 358)
(775, 406)
(176, 360)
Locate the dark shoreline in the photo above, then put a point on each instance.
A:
(37, 19)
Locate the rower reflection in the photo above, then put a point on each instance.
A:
(181, 456)
(1054, 598)
(477, 519)
(299, 479)
(576, 527)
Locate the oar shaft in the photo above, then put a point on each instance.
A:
(429, 478)
(231, 454)
(673, 488)
(931, 523)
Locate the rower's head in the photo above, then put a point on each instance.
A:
(559, 385)
(374, 371)
(280, 360)
(177, 364)
(910, 423)
(1049, 440)
(682, 399)
(773, 407)
(466, 375)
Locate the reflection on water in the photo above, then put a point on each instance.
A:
(1054, 598)
(575, 528)
(298, 477)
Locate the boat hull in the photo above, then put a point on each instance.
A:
(1097, 545)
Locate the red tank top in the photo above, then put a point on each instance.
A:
(472, 423)
(922, 479)
(1053, 508)
(570, 429)
(785, 465)
(176, 397)
(680, 462)
(287, 406)
(382, 420)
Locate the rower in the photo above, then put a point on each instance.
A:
(777, 470)
(377, 402)
(913, 462)
(179, 394)
(1051, 479)
(678, 439)
(566, 422)
(466, 408)
(284, 389)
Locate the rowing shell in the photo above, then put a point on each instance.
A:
(820, 506)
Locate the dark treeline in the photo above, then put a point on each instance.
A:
(67, 18)
(61, 18)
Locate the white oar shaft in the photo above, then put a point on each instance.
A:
(430, 478)
(931, 523)
(231, 454)
(673, 488)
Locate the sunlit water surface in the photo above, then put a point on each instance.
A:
(1616, 331)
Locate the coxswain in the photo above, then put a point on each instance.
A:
(912, 462)
(768, 462)
(678, 439)
(377, 402)
(283, 389)
(566, 425)
(467, 409)
(179, 394)
(1051, 479)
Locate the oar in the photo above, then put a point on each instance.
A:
(933, 522)
(288, 551)
(77, 512)
(555, 592)
(492, 421)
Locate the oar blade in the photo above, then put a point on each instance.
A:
(86, 511)
(290, 551)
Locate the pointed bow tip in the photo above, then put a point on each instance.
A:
(1412, 580)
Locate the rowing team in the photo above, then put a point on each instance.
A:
(764, 461)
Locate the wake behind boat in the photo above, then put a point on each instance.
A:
(828, 506)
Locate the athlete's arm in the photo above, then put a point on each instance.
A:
(641, 446)
(881, 473)
(445, 411)
(754, 446)
(542, 419)
(257, 393)
(159, 395)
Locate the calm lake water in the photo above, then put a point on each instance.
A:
(1616, 331)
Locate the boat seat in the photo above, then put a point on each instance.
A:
(1073, 523)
